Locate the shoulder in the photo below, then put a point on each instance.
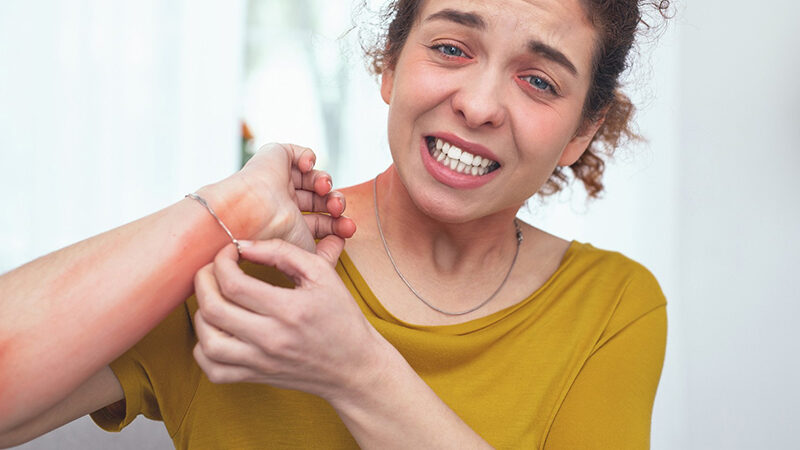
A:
(606, 268)
(626, 288)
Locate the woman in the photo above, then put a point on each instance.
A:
(471, 330)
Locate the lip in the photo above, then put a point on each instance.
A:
(470, 147)
(449, 177)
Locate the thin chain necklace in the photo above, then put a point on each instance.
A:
(414, 291)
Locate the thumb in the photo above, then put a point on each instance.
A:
(329, 248)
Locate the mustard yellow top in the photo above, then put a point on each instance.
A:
(575, 365)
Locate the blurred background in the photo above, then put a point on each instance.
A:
(110, 110)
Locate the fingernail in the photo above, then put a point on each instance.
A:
(245, 244)
(330, 184)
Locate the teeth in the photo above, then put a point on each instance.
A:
(458, 160)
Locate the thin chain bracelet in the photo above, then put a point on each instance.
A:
(202, 201)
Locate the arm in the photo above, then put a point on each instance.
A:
(97, 391)
(396, 409)
(75, 310)
(314, 338)
(611, 401)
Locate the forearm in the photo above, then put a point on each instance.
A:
(71, 312)
(397, 409)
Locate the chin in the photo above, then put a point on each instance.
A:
(444, 208)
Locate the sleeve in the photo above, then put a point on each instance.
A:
(610, 402)
(158, 375)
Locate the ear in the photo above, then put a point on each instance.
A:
(387, 83)
(580, 142)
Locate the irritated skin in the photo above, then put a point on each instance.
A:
(73, 311)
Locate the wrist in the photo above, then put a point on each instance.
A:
(236, 205)
(365, 388)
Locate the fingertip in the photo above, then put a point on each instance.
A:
(335, 206)
(330, 247)
(307, 161)
(312, 161)
(230, 251)
(323, 185)
(345, 227)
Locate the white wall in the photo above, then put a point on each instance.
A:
(739, 219)
(110, 111)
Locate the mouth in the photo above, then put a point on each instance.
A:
(458, 160)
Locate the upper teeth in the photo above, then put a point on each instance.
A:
(459, 160)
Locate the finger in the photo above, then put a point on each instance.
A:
(333, 203)
(234, 317)
(237, 289)
(299, 265)
(322, 225)
(223, 373)
(222, 347)
(301, 157)
(329, 248)
(317, 181)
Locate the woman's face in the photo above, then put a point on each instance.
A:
(502, 80)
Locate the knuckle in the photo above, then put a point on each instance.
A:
(229, 287)
(297, 317)
(213, 312)
(200, 275)
(217, 375)
(277, 345)
(214, 348)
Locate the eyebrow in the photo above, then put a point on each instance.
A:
(469, 19)
(552, 54)
(473, 20)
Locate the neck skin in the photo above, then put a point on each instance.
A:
(481, 246)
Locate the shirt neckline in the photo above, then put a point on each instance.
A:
(373, 303)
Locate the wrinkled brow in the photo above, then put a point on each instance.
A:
(469, 19)
(474, 20)
(551, 53)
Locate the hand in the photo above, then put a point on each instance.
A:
(274, 188)
(312, 338)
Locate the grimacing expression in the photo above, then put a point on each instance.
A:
(506, 79)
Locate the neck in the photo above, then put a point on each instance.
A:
(447, 246)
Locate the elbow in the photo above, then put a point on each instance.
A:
(11, 437)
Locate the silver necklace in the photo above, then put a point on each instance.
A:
(414, 291)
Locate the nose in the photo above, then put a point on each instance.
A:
(479, 100)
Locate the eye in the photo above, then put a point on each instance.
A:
(450, 50)
(539, 83)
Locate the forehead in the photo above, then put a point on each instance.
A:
(562, 24)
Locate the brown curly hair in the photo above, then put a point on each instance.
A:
(617, 23)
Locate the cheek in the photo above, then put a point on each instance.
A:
(543, 133)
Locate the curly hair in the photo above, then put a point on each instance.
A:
(617, 22)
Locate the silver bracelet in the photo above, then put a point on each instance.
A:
(204, 203)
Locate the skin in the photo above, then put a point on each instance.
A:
(461, 242)
(463, 239)
(73, 311)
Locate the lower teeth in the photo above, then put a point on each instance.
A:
(447, 161)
